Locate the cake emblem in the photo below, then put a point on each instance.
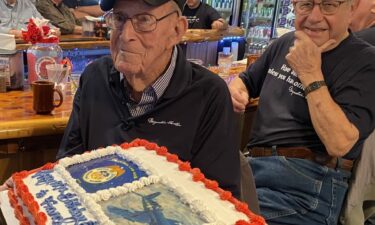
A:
(102, 174)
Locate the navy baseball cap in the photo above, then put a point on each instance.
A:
(107, 5)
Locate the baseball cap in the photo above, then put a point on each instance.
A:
(107, 5)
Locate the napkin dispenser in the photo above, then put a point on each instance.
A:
(12, 67)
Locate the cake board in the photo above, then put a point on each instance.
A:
(6, 209)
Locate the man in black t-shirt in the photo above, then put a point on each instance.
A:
(203, 16)
(316, 91)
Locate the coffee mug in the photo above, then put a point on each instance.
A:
(43, 96)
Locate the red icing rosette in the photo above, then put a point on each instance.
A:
(27, 198)
(184, 166)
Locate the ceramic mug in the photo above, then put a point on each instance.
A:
(43, 96)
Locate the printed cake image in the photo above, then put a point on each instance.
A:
(134, 183)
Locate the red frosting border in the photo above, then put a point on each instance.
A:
(22, 191)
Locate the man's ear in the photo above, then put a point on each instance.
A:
(179, 30)
(372, 7)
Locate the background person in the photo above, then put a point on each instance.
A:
(15, 15)
(363, 20)
(315, 110)
(60, 16)
(203, 16)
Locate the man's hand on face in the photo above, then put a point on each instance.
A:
(238, 92)
(305, 57)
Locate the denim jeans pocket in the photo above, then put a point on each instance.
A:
(307, 178)
(287, 186)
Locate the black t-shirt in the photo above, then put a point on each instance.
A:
(283, 117)
(201, 17)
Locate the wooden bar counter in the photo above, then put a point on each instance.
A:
(192, 35)
(28, 140)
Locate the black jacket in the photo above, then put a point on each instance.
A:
(193, 119)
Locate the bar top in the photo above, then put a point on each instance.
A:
(192, 35)
(18, 119)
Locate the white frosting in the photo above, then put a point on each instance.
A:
(207, 203)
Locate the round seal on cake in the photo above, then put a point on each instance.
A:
(102, 174)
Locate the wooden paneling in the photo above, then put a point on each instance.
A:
(27, 153)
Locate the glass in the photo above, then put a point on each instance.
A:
(326, 7)
(224, 61)
(38, 56)
(57, 73)
(141, 22)
(74, 82)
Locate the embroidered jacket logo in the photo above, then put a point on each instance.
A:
(152, 121)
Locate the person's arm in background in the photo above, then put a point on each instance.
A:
(25, 10)
(217, 22)
(66, 22)
(92, 10)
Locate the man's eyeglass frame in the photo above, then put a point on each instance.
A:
(320, 7)
(109, 16)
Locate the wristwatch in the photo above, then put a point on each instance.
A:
(314, 86)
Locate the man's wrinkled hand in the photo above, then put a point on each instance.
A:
(305, 57)
(239, 94)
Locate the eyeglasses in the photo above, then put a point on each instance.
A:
(326, 7)
(143, 22)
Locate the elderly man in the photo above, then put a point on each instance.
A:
(147, 89)
(316, 89)
(202, 16)
(363, 20)
(15, 14)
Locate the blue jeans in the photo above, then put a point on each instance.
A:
(298, 191)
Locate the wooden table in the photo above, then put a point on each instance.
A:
(28, 140)
(70, 42)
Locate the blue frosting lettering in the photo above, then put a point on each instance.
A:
(70, 201)
(88, 223)
(41, 194)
